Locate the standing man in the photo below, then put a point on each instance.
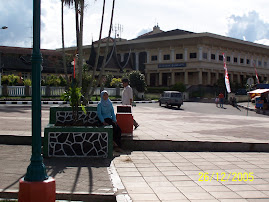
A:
(127, 96)
(221, 99)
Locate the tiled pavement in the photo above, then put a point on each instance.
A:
(158, 176)
(174, 176)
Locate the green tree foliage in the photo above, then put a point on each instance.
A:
(179, 87)
(27, 82)
(108, 79)
(115, 82)
(73, 95)
(137, 81)
(53, 80)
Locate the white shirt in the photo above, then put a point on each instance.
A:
(127, 94)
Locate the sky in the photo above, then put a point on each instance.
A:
(242, 19)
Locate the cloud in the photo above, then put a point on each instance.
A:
(143, 31)
(17, 16)
(262, 41)
(249, 26)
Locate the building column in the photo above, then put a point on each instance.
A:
(251, 61)
(160, 55)
(238, 78)
(172, 55)
(238, 59)
(217, 56)
(185, 54)
(268, 63)
(209, 78)
(200, 53)
(232, 58)
(186, 78)
(209, 55)
(262, 62)
(148, 78)
(200, 77)
(257, 62)
(173, 78)
(245, 60)
(122, 57)
(217, 76)
(160, 79)
(136, 61)
(148, 59)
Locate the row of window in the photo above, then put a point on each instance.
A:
(205, 56)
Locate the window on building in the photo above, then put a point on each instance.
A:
(193, 55)
(204, 55)
(213, 57)
(228, 58)
(154, 57)
(248, 61)
(241, 60)
(166, 57)
(235, 59)
(179, 56)
(265, 64)
(260, 63)
(220, 57)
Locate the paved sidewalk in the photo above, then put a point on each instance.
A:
(174, 176)
(153, 175)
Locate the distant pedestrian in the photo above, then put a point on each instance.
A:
(217, 101)
(127, 96)
(221, 100)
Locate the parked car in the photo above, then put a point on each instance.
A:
(171, 98)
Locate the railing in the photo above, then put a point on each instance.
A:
(19, 91)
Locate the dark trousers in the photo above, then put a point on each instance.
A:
(116, 131)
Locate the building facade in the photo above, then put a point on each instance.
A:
(167, 58)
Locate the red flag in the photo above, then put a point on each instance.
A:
(227, 82)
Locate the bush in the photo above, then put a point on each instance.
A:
(27, 82)
(179, 87)
(63, 81)
(137, 81)
(115, 82)
(4, 80)
(13, 80)
(156, 89)
(53, 81)
(108, 80)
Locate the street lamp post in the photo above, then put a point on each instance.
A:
(36, 185)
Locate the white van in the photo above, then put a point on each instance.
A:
(172, 98)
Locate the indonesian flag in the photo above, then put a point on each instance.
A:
(227, 82)
(256, 73)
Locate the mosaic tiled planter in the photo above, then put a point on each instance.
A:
(76, 141)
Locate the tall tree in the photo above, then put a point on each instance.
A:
(79, 14)
(63, 47)
(102, 69)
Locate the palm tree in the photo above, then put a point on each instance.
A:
(106, 50)
(79, 14)
(63, 48)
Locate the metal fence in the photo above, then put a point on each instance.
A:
(20, 91)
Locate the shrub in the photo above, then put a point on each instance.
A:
(4, 80)
(27, 82)
(137, 81)
(108, 80)
(179, 87)
(115, 82)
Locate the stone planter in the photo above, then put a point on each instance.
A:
(77, 141)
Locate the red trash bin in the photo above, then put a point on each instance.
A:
(125, 118)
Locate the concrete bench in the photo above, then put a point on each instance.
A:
(91, 139)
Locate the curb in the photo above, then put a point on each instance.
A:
(76, 196)
(192, 146)
(63, 102)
